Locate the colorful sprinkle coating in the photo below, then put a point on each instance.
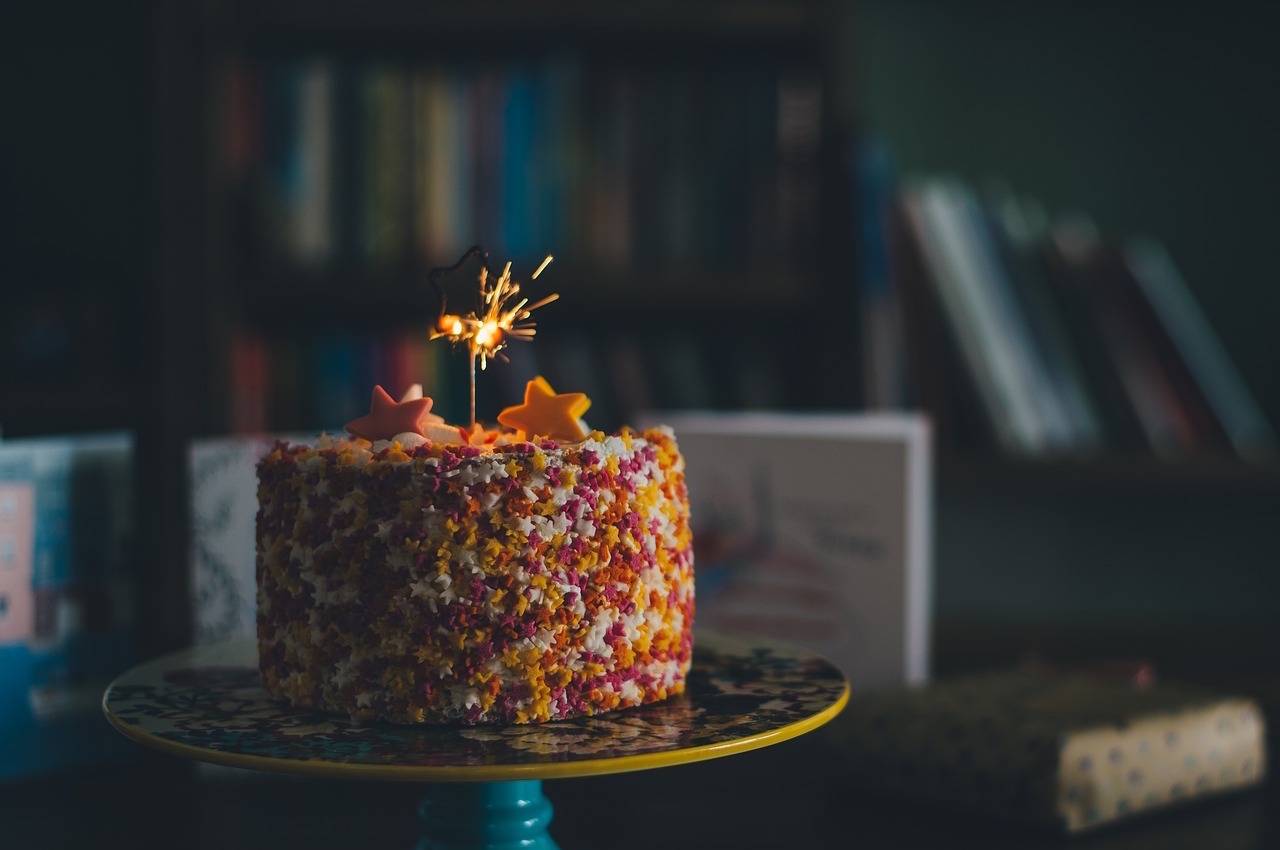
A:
(514, 583)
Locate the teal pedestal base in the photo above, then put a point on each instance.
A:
(486, 816)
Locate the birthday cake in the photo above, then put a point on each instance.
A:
(417, 572)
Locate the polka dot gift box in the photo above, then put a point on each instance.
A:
(1075, 751)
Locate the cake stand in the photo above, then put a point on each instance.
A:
(208, 704)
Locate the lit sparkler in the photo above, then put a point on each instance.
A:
(487, 330)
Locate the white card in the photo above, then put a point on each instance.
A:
(815, 530)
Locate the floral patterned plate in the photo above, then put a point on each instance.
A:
(207, 704)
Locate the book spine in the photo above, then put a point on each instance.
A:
(1018, 229)
(439, 221)
(1136, 383)
(486, 137)
(242, 113)
(1197, 428)
(463, 199)
(1201, 350)
(612, 184)
(567, 154)
(799, 136)
(349, 157)
(285, 384)
(936, 363)
(283, 156)
(519, 124)
(996, 288)
(674, 220)
(883, 375)
(762, 234)
(312, 238)
(334, 391)
(249, 382)
(387, 180)
(996, 285)
(419, 242)
(987, 353)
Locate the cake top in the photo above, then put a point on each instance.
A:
(358, 451)
(545, 417)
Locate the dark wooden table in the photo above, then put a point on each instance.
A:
(793, 795)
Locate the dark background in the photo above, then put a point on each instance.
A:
(1153, 119)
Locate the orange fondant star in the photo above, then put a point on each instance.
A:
(546, 413)
(388, 417)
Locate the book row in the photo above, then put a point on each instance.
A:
(339, 162)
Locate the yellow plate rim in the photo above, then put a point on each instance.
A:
(481, 773)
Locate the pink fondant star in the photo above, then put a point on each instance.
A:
(388, 417)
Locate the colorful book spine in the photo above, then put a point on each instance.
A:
(383, 165)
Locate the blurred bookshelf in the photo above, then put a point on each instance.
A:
(682, 162)
(697, 175)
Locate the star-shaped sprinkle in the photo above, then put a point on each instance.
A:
(546, 413)
(388, 417)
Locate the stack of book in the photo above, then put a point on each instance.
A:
(1039, 335)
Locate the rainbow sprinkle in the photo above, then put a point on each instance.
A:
(513, 583)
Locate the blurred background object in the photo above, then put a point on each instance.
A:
(1049, 227)
(67, 581)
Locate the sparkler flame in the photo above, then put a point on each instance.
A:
(488, 330)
